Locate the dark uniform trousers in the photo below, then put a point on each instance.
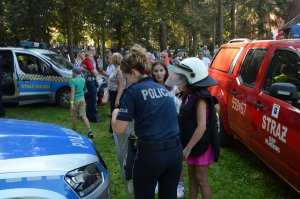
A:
(91, 100)
(157, 162)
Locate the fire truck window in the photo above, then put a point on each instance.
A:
(226, 59)
(284, 67)
(251, 66)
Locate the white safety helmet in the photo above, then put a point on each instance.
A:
(195, 72)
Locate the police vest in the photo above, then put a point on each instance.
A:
(188, 124)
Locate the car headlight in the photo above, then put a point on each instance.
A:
(85, 180)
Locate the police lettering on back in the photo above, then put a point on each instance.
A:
(155, 93)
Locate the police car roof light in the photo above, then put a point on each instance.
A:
(30, 44)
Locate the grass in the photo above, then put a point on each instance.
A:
(238, 174)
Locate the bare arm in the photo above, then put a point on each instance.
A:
(201, 127)
(118, 126)
(121, 85)
(94, 73)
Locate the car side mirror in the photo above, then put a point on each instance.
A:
(284, 91)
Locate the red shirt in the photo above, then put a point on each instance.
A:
(88, 64)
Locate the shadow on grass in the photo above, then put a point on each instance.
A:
(246, 176)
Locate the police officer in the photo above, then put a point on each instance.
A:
(2, 112)
(159, 148)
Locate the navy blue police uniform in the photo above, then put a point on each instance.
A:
(159, 153)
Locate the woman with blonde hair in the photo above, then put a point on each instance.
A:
(116, 83)
(79, 58)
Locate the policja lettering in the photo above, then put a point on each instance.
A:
(155, 93)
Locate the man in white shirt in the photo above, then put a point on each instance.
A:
(205, 60)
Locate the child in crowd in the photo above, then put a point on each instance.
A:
(77, 102)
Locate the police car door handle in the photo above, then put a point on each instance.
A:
(258, 105)
(233, 92)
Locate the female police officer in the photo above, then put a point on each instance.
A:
(151, 106)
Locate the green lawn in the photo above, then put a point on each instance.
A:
(238, 174)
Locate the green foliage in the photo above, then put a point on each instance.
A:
(160, 23)
(238, 174)
(28, 20)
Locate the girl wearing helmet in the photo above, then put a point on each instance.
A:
(159, 150)
(197, 121)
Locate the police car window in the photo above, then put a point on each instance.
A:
(59, 61)
(44, 68)
(284, 67)
(7, 65)
(251, 66)
(29, 64)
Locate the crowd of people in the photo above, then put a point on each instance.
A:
(173, 113)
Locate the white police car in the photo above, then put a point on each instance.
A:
(39, 160)
(32, 75)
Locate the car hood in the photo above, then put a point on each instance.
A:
(22, 139)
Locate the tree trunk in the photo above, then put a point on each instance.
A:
(69, 24)
(163, 36)
(233, 20)
(190, 40)
(195, 42)
(214, 30)
(70, 40)
(119, 36)
(260, 22)
(221, 29)
(103, 49)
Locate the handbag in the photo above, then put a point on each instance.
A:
(105, 96)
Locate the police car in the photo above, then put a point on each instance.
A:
(39, 160)
(32, 75)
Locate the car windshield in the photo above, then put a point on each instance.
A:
(59, 61)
